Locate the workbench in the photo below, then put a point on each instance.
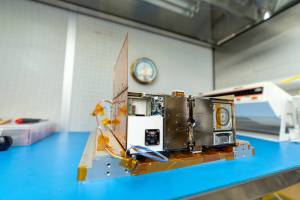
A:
(47, 170)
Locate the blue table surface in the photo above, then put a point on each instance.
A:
(48, 169)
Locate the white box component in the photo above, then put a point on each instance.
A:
(137, 126)
(27, 134)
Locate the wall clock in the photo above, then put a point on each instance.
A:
(144, 70)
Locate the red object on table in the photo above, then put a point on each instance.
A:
(26, 120)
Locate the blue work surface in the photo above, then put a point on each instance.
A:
(48, 169)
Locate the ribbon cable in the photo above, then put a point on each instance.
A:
(144, 151)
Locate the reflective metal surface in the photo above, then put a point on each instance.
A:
(256, 188)
(176, 117)
(210, 21)
(212, 126)
(203, 115)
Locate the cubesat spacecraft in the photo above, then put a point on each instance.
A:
(140, 133)
(167, 123)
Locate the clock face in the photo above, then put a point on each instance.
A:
(144, 70)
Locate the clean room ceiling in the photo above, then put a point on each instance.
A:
(210, 22)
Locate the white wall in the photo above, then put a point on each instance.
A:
(97, 47)
(267, 52)
(32, 44)
(42, 30)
